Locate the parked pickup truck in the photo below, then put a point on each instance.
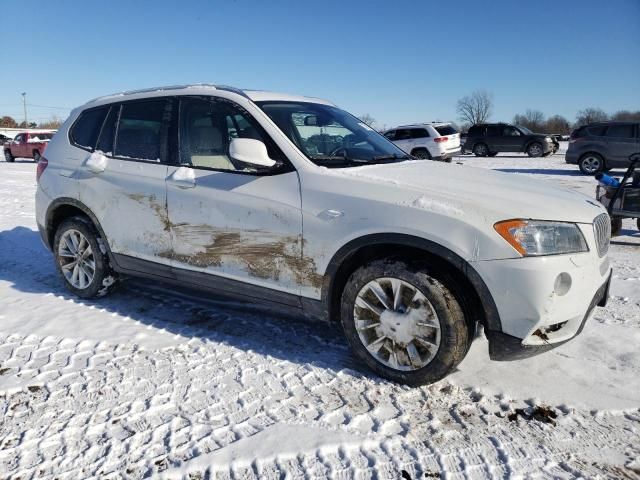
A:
(27, 145)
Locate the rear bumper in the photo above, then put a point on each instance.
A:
(571, 157)
(504, 347)
(447, 155)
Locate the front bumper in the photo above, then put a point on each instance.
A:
(503, 347)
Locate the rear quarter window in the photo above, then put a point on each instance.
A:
(594, 131)
(445, 130)
(84, 132)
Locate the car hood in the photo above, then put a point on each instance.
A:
(476, 192)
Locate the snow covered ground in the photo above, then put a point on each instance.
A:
(150, 382)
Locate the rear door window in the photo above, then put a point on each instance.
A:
(403, 134)
(139, 133)
(620, 131)
(84, 132)
(391, 135)
(494, 131)
(445, 130)
(419, 133)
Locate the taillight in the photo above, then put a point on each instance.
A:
(440, 139)
(42, 165)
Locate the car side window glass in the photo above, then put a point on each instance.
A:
(403, 135)
(207, 127)
(419, 133)
(511, 132)
(391, 135)
(620, 131)
(108, 132)
(139, 130)
(84, 132)
(494, 131)
(596, 131)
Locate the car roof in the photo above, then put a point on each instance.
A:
(422, 125)
(201, 89)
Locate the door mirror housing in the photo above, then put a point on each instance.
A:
(250, 151)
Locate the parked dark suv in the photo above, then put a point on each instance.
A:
(600, 146)
(487, 139)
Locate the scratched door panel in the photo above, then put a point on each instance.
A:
(243, 227)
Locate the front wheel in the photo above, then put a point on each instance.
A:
(616, 226)
(535, 150)
(404, 322)
(8, 156)
(81, 260)
(36, 156)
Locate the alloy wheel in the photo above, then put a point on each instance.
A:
(397, 324)
(76, 259)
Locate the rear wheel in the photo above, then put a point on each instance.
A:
(8, 156)
(36, 156)
(422, 153)
(492, 154)
(81, 259)
(591, 163)
(404, 322)
(638, 223)
(480, 150)
(535, 150)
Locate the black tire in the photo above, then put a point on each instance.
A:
(535, 149)
(616, 226)
(422, 153)
(638, 223)
(455, 333)
(36, 156)
(591, 164)
(104, 279)
(8, 156)
(492, 154)
(480, 150)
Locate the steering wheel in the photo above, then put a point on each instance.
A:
(335, 151)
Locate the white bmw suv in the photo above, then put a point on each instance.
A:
(431, 141)
(290, 200)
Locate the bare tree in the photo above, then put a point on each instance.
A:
(557, 124)
(367, 120)
(532, 119)
(590, 115)
(626, 116)
(475, 108)
(8, 122)
(53, 123)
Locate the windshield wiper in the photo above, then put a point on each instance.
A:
(393, 156)
(335, 160)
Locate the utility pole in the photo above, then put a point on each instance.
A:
(24, 104)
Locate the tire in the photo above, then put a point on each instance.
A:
(8, 156)
(638, 223)
(422, 153)
(36, 156)
(492, 154)
(591, 164)
(616, 226)
(103, 279)
(480, 150)
(413, 365)
(535, 149)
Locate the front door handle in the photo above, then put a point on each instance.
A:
(183, 177)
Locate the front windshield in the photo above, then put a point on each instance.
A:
(330, 136)
(525, 130)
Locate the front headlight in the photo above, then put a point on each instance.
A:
(537, 237)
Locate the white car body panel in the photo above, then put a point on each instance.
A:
(300, 219)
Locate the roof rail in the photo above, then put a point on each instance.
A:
(172, 87)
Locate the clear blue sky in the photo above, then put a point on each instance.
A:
(399, 61)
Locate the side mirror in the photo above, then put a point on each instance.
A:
(250, 151)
